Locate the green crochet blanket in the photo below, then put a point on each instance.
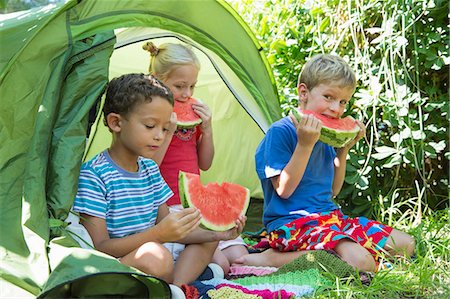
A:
(321, 260)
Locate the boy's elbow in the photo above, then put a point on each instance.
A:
(284, 194)
(282, 190)
(334, 193)
(336, 188)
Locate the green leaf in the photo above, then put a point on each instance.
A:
(278, 45)
(418, 135)
(264, 29)
(324, 24)
(352, 179)
(363, 182)
(383, 152)
(439, 146)
(392, 161)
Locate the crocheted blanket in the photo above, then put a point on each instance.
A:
(303, 276)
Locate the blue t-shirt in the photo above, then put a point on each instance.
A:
(128, 201)
(314, 192)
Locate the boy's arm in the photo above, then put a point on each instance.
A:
(195, 234)
(173, 227)
(205, 147)
(116, 247)
(176, 221)
(289, 178)
(200, 235)
(340, 161)
(308, 132)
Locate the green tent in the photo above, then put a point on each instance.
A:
(55, 62)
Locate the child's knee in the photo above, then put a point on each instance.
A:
(400, 243)
(364, 262)
(156, 260)
(220, 259)
(410, 245)
(356, 255)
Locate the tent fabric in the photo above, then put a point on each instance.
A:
(88, 273)
(54, 67)
(232, 110)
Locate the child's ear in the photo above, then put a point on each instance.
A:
(302, 93)
(114, 122)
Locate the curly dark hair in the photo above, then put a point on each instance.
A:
(126, 91)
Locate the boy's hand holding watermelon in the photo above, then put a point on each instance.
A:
(206, 235)
(361, 134)
(177, 225)
(337, 132)
(223, 206)
(308, 130)
(233, 232)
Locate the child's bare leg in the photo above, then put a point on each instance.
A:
(225, 257)
(220, 259)
(269, 258)
(355, 255)
(151, 258)
(400, 243)
(235, 251)
(192, 261)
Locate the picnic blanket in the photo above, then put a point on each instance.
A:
(301, 277)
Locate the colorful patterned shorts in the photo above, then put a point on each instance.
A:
(323, 231)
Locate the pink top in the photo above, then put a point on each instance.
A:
(181, 155)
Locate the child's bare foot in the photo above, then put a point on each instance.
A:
(268, 258)
(253, 259)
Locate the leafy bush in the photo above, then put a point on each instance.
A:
(399, 51)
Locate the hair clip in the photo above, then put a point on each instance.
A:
(156, 83)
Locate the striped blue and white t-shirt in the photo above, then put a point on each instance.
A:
(128, 201)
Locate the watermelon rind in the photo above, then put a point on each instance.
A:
(333, 137)
(186, 203)
(190, 124)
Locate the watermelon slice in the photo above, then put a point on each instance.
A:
(220, 205)
(186, 117)
(335, 132)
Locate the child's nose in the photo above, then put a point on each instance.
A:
(187, 93)
(334, 105)
(159, 134)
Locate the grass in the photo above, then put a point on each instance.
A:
(427, 275)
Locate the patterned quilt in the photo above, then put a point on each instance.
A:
(303, 276)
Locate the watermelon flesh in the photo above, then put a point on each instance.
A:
(186, 117)
(337, 132)
(220, 205)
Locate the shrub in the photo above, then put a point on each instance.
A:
(399, 51)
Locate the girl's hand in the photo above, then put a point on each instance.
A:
(173, 123)
(205, 114)
(235, 231)
(177, 225)
(308, 129)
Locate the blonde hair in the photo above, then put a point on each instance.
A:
(326, 69)
(167, 56)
